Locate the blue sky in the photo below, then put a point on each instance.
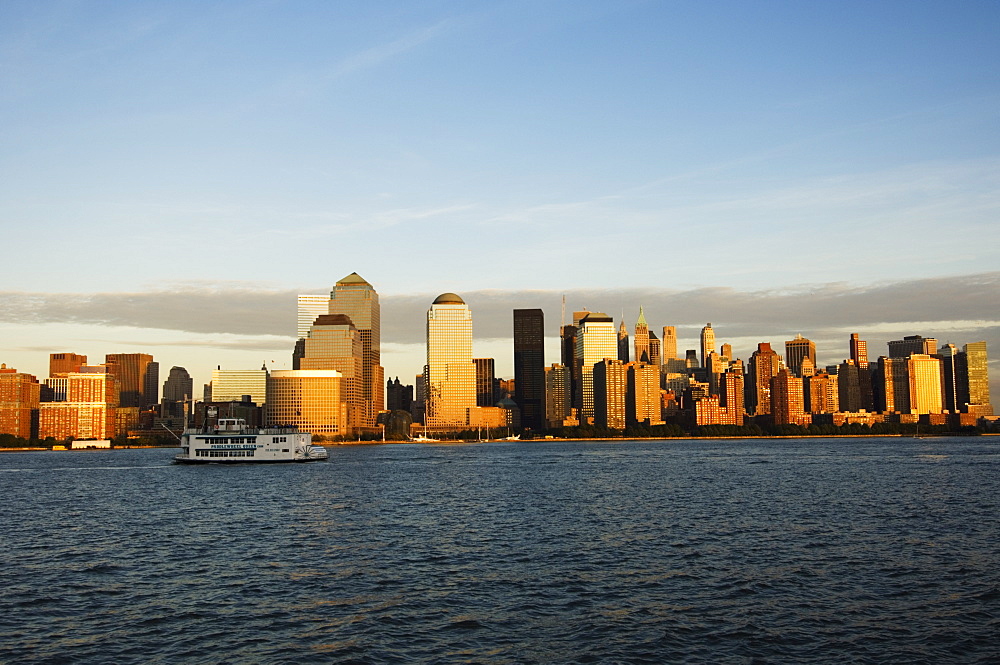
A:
(623, 153)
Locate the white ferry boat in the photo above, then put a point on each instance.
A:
(231, 441)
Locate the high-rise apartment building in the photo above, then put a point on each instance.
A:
(731, 395)
(308, 399)
(787, 402)
(822, 395)
(596, 340)
(137, 378)
(763, 365)
(90, 410)
(655, 354)
(357, 299)
(641, 338)
(707, 343)
(449, 375)
(796, 350)
(529, 367)
(19, 399)
(854, 387)
(230, 385)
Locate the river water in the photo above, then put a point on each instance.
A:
(753, 551)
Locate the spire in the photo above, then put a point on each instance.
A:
(642, 318)
(353, 278)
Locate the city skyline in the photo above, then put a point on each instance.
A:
(174, 175)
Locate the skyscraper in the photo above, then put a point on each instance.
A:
(796, 350)
(668, 344)
(859, 351)
(558, 404)
(787, 404)
(178, 387)
(978, 378)
(609, 378)
(230, 385)
(357, 299)
(623, 350)
(901, 348)
(642, 394)
(450, 375)
(925, 383)
(596, 339)
(764, 364)
(61, 364)
(641, 338)
(892, 385)
(486, 392)
(334, 343)
(136, 378)
(310, 307)
(707, 343)
(19, 399)
(529, 367)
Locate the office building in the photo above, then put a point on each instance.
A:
(137, 378)
(668, 345)
(398, 396)
(821, 393)
(642, 394)
(179, 386)
(334, 343)
(641, 338)
(891, 385)
(925, 384)
(609, 377)
(558, 400)
(623, 342)
(90, 409)
(655, 354)
(529, 367)
(596, 340)
(357, 299)
(230, 385)
(486, 383)
(449, 375)
(859, 351)
(796, 350)
(308, 399)
(902, 348)
(707, 343)
(977, 370)
(309, 308)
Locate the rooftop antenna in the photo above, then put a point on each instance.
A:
(562, 318)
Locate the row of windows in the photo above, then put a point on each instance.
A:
(229, 439)
(205, 452)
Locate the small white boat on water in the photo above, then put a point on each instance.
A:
(232, 442)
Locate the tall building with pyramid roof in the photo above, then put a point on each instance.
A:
(355, 298)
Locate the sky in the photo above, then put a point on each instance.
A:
(173, 174)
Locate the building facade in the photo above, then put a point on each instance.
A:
(449, 375)
(529, 367)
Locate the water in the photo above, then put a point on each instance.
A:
(805, 551)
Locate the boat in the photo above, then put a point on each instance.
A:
(231, 441)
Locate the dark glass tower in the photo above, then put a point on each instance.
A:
(529, 367)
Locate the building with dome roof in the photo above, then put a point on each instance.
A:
(450, 374)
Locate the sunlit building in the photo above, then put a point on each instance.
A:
(308, 399)
(610, 379)
(357, 299)
(797, 350)
(309, 308)
(641, 338)
(19, 400)
(978, 379)
(596, 340)
(230, 385)
(902, 348)
(449, 375)
(137, 378)
(61, 364)
(707, 343)
(334, 343)
(822, 395)
(787, 403)
(925, 384)
(90, 409)
(558, 402)
(642, 394)
(763, 365)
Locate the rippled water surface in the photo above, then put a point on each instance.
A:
(789, 551)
